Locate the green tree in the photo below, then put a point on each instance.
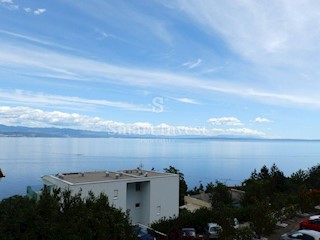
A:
(262, 225)
(220, 194)
(63, 215)
(223, 211)
(18, 218)
(183, 187)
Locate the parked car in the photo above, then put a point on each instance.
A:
(302, 234)
(314, 217)
(188, 233)
(212, 230)
(313, 223)
(142, 233)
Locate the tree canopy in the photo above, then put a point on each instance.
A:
(183, 187)
(62, 215)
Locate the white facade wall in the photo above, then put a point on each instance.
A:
(164, 194)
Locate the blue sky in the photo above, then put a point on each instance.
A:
(248, 68)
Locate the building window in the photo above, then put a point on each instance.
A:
(158, 210)
(138, 186)
(137, 205)
(115, 194)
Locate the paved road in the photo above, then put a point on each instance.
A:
(293, 224)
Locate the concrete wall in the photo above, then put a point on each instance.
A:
(164, 194)
(118, 201)
(97, 188)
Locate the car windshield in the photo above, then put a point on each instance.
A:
(189, 232)
(301, 236)
(214, 229)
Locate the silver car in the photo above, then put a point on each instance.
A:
(302, 234)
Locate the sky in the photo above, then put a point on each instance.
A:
(171, 68)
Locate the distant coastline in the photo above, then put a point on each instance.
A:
(52, 132)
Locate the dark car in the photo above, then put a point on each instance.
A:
(188, 233)
(313, 223)
(142, 233)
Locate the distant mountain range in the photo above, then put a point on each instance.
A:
(17, 131)
(11, 131)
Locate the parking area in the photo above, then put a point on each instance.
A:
(293, 224)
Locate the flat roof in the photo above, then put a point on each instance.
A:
(106, 176)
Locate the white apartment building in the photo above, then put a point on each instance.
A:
(148, 195)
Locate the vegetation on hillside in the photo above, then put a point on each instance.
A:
(62, 215)
(269, 196)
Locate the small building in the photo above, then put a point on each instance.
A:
(195, 202)
(148, 195)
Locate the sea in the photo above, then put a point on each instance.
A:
(24, 160)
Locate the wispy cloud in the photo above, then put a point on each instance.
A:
(21, 97)
(186, 100)
(42, 63)
(30, 117)
(33, 39)
(194, 64)
(262, 32)
(6, 1)
(148, 24)
(229, 121)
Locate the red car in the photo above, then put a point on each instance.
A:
(313, 223)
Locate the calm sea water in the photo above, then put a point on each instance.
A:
(25, 160)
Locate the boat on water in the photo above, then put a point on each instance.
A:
(1, 174)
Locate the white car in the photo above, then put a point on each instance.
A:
(212, 230)
(314, 217)
(302, 234)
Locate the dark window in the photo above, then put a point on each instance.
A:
(307, 237)
(138, 186)
(137, 205)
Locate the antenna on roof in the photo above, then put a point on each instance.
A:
(140, 166)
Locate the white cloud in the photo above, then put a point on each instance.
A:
(39, 11)
(191, 65)
(261, 120)
(244, 132)
(186, 100)
(28, 10)
(56, 101)
(229, 121)
(9, 4)
(30, 117)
